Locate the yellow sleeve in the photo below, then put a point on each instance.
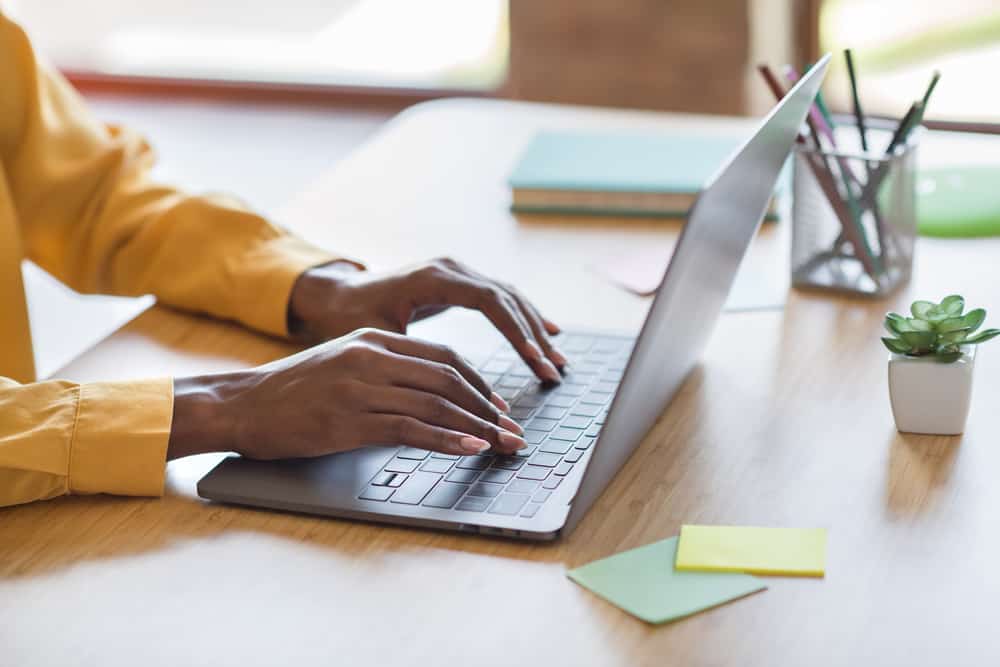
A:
(59, 437)
(90, 215)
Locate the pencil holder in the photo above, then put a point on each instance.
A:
(854, 217)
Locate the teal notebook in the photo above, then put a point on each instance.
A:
(621, 174)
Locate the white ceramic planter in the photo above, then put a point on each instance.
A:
(929, 396)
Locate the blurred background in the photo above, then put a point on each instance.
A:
(656, 54)
(257, 97)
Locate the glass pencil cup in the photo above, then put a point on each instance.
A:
(854, 222)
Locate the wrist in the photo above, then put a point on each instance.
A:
(203, 419)
(313, 292)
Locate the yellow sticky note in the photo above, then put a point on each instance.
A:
(784, 551)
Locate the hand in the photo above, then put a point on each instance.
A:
(336, 299)
(371, 387)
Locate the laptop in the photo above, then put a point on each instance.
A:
(580, 432)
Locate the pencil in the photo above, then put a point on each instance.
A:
(859, 115)
(930, 88)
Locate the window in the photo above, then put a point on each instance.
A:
(899, 43)
(430, 44)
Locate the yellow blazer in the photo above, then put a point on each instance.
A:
(75, 198)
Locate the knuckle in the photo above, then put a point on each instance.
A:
(437, 407)
(369, 335)
(401, 428)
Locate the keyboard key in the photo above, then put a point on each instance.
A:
(509, 503)
(571, 390)
(522, 486)
(586, 410)
(473, 504)
(491, 378)
(530, 400)
(573, 456)
(445, 495)
(466, 476)
(513, 382)
(576, 344)
(413, 453)
(498, 366)
(552, 413)
(551, 483)
(496, 475)
(607, 347)
(556, 447)
(576, 421)
(526, 452)
(595, 398)
(612, 376)
(377, 493)
(593, 431)
(544, 459)
(530, 510)
(541, 496)
(437, 465)
(507, 393)
(486, 490)
(402, 465)
(539, 424)
(568, 434)
(584, 442)
(599, 420)
(416, 487)
(605, 387)
(382, 479)
(473, 462)
(508, 462)
(449, 457)
(397, 479)
(521, 413)
(533, 437)
(563, 469)
(560, 401)
(533, 472)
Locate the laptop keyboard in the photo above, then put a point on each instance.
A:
(561, 423)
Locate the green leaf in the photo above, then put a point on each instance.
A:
(947, 357)
(897, 346)
(953, 305)
(918, 325)
(953, 337)
(935, 315)
(920, 308)
(974, 319)
(982, 336)
(919, 340)
(952, 324)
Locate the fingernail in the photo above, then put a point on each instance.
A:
(473, 445)
(534, 352)
(550, 372)
(497, 400)
(510, 425)
(511, 441)
(558, 357)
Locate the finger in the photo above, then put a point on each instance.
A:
(414, 347)
(406, 430)
(441, 380)
(538, 327)
(439, 411)
(460, 290)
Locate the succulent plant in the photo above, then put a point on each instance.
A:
(936, 329)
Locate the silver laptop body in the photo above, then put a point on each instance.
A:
(580, 433)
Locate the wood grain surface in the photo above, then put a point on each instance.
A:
(786, 422)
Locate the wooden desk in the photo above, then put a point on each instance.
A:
(786, 422)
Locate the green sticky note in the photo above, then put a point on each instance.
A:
(644, 583)
(783, 551)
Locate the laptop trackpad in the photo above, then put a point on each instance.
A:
(324, 481)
